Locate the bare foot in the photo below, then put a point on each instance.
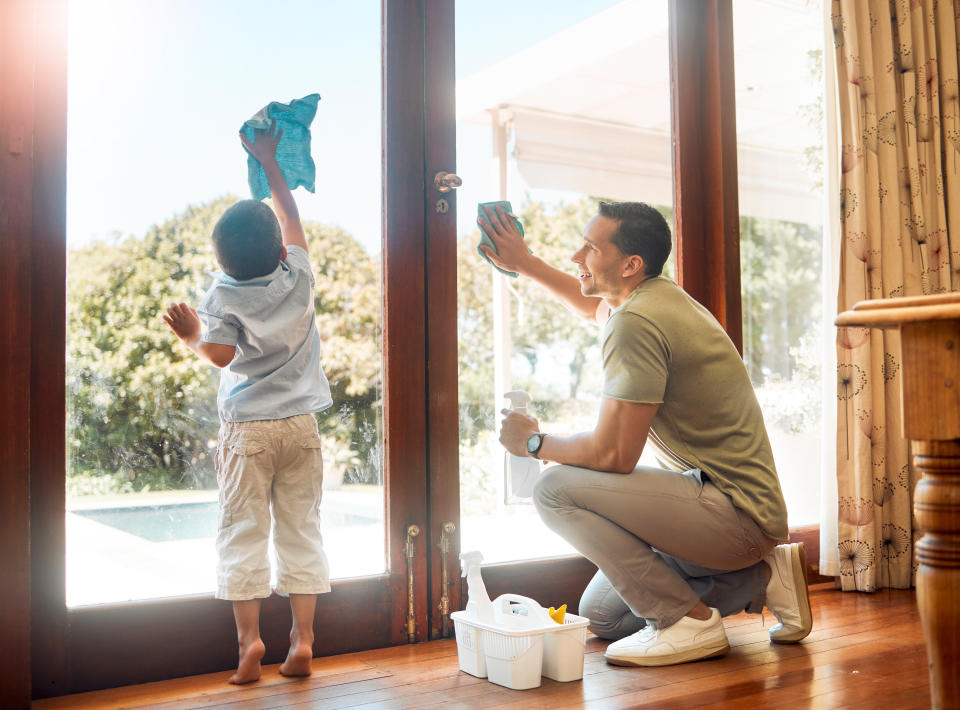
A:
(248, 669)
(298, 661)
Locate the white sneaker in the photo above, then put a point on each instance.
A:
(686, 640)
(787, 596)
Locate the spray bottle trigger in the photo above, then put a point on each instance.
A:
(518, 399)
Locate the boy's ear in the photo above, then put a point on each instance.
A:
(283, 252)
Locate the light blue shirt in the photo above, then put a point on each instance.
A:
(270, 319)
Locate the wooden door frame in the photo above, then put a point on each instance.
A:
(443, 406)
(703, 109)
(23, 151)
(404, 316)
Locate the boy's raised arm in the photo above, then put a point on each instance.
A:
(264, 149)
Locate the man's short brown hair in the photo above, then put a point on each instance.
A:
(642, 231)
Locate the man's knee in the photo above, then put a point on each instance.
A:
(548, 490)
(614, 629)
(608, 620)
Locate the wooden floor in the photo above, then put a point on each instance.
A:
(865, 651)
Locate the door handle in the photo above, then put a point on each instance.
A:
(446, 532)
(410, 551)
(445, 182)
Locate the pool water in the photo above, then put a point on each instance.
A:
(191, 521)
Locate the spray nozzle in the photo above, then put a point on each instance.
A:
(518, 399)
(468, 559)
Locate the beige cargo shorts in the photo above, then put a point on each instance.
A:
(270, 474)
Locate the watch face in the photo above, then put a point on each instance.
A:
(533, 443)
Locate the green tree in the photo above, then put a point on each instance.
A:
(141, 407)
(781, 292)
(536, 320)
(349, 318)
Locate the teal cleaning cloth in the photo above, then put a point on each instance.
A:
(485, 240)
(293, 150)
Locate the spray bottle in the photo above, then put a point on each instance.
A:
(479, 606)
(519, 472)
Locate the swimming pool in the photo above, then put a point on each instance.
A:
(193, 521)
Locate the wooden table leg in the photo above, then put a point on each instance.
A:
(937, 509)
(930, 402)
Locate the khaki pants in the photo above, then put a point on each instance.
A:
(270, 470)
(663, 541)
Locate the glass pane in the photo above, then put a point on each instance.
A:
(556, 98)
(778, 51)
(157, 94)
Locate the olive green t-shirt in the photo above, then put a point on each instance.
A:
(662, 347)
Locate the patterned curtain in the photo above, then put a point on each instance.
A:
(900, 213)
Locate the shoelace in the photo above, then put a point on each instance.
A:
(647, 632)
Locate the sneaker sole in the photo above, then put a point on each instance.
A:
(694, 654)
(798, 558)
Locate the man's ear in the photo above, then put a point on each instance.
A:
(633, 266)
(283, 252)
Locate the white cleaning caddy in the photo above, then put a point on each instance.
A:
(516, 658)
(520, 643)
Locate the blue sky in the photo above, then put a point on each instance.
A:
(158, 89)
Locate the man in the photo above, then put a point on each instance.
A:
(681, 546)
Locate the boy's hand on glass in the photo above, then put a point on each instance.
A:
(183, 321)
(264, 145)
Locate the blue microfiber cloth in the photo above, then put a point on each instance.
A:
(293, 150)
(485, 240)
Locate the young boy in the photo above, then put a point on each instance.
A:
(258, 325)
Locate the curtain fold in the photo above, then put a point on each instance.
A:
(896, 65)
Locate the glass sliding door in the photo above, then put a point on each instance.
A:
(157, 93)
(552, 118)
(155, 96)
(779, 91)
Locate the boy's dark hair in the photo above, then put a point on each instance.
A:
(247, 241)
(642, 231)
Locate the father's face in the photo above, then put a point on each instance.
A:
(599, 261)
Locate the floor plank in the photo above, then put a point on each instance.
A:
(865, 652)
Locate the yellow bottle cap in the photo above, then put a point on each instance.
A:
(558, 614)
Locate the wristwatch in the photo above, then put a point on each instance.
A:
(534, 443)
